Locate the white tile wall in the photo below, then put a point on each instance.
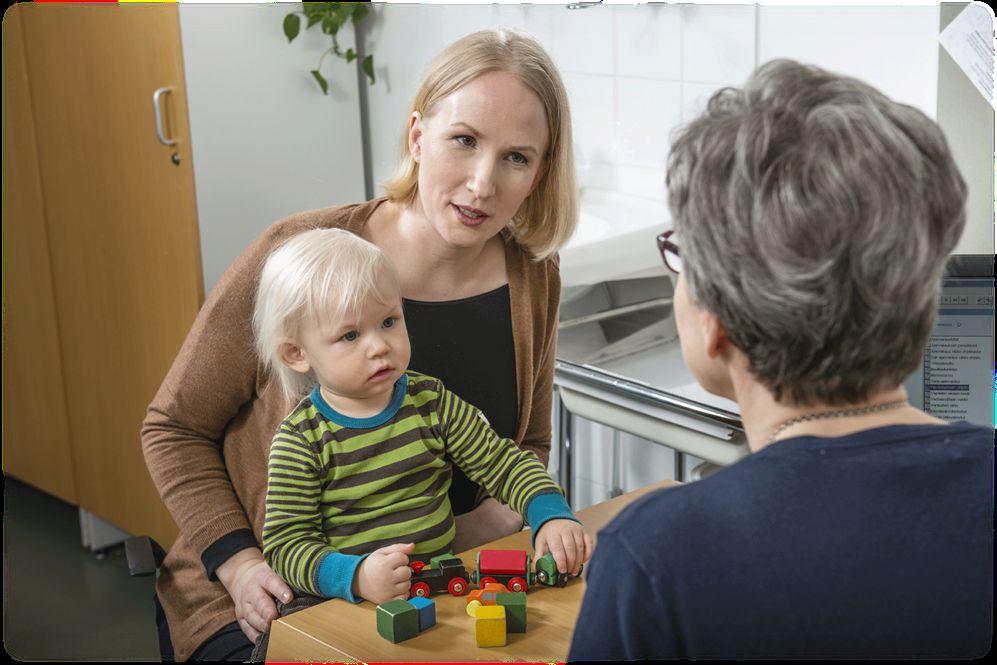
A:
(892, 48)
(457, 21)
(718, 43)
(646, 111)
(592, 98)
(694, 98)
(534, 19)
(649, 41)
(583, 41)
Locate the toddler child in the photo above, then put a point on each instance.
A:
(359, 471)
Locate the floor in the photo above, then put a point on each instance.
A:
(62, 601)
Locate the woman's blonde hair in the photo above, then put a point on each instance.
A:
(318, 276)
(546, 219)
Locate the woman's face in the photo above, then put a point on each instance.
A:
(479, 152)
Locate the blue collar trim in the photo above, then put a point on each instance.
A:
(397, 397)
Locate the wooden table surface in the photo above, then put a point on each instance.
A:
(338, 630)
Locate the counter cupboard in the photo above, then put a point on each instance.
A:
(102, 273)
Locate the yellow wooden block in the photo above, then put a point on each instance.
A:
(472, 608)
(489, 626)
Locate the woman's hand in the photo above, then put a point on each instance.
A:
(567, 541)
(253, 586)
(385, 574)
(489, 521)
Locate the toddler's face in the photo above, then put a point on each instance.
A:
(359, 358)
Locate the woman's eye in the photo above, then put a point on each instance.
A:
(388, 322)
(465, 140)
(519, 158)
(350, 336)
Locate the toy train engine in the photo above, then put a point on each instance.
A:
(510, 567)
(443, 573)
(547, 572)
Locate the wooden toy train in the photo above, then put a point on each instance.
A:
(509, 567)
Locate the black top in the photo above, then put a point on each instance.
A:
(467, 344)
(879, 543)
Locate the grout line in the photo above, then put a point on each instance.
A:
(682, 80)
(757, 32)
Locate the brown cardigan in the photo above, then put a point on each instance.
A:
(207, 432)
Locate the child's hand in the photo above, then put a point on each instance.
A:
(567, 541)
(385, 574)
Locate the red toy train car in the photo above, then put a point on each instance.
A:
(510, 567)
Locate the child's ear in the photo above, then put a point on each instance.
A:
(293, 356)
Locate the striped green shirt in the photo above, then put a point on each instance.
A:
(350, 486)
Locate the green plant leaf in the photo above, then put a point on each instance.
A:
(313, 18)
(367, 65)
(331, 24)
(321, 81)
(350, 55)
(321, 8)
(359, 12)
(292, 25)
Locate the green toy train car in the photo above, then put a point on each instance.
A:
(547, 572)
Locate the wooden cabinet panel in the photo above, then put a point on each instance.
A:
(36, 444)
(122, 232)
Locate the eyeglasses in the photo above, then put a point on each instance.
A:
(670, 251)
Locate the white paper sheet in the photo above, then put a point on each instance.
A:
(969, 39)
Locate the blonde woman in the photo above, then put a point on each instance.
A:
(483, 198)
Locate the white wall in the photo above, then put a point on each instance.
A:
(266, 142)
(892, 48)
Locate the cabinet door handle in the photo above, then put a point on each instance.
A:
(159, 116)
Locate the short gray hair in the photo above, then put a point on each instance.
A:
(317, 276)
(814, 216)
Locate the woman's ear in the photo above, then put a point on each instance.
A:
(415, 136)
(293, 356)
(716, 342)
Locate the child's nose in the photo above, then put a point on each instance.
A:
(378, 346)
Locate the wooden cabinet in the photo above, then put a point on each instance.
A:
(36, 445)
(104, 277)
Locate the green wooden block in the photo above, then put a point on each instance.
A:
(397, 620)
(515, 610)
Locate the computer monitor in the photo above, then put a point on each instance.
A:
(957, 377)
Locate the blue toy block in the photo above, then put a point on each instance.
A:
(427, 611)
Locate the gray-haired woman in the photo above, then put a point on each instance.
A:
(813, 217)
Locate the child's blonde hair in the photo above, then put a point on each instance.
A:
(316, 277)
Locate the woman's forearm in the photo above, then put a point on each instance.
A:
(489, 521)
(190, 474)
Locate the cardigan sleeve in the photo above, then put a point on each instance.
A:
(546, 307)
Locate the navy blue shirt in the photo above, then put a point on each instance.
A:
(879, 543)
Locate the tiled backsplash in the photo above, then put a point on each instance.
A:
(635, 72)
